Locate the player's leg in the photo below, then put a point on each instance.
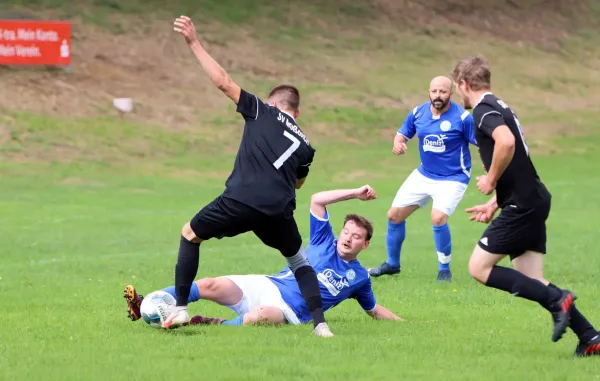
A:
(254, 299)
(511, 233)
(410, 196)
(220, 218)
(282, 234)
(532, 264)
(446, 197)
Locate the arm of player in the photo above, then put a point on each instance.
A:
(405, 133)
(504, 149)
(217, 74)
(320, 200)
(382, 313)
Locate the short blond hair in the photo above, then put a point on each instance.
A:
(475, 71)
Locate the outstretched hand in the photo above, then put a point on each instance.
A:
(366, 193)
(186, 28)
(482, 213)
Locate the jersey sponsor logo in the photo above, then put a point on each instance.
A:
(434, 143)
(333, 281)
(283, 119)
(445, 126)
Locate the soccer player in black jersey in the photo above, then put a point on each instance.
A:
(272, 162)
(519, 231)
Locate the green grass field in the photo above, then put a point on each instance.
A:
(72, 237)
(90, 202)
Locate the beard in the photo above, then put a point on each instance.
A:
(438, 103)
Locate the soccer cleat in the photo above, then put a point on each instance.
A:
(178, 318)
(561, 314)
(384, 269)
(444, 276)
(203, 320)
(134, 301)
(322, 330)
(591, 348)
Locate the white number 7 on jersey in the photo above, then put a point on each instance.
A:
(286, 155)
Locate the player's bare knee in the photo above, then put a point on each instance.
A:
(395, 215)
(438, 218)
(479, 270)
(188, 233)
(207, 286)
(269, 315)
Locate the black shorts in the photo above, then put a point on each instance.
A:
(517, 230)
(225, 217)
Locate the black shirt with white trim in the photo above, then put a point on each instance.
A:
(273, 154)
(519, 185)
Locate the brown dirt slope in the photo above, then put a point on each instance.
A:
(152, 64)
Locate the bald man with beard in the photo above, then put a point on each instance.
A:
(444, 130)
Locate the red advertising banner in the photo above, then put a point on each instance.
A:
(32, 42)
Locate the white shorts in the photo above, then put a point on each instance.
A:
(418, 189)
(259, 291)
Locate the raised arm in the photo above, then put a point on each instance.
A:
(217, 74)
(382, 313)
(320, 200)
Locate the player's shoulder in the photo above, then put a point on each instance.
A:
(460, 112)
(419, 110)
(489, 103)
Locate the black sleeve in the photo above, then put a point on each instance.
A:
(488, 119)
(304, 168)
(249, 105)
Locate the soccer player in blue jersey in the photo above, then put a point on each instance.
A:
(277, 299)
(444, 130)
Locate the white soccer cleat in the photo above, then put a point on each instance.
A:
(322, 330)
(179, 317)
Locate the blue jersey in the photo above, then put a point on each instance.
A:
(338, 280)
(443, 141)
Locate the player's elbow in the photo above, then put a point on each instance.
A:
(508, 142)
(222, 81)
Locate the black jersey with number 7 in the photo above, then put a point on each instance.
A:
(273, 154)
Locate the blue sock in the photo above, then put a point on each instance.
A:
(194, 292)
(443, 245)
(394, 239)
(234, 322)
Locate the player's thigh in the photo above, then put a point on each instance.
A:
(446, 197)
(531, 263)
(414, 191)
(401, 213)
(280, 233)
(220, 218)
(482, 262)
(220, 290)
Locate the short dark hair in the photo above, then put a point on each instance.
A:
(287, 94)
(361, 221)
(475, 71)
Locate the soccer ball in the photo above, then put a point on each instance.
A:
(156, 307)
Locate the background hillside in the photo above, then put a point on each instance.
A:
(91, 201)
(360, 66)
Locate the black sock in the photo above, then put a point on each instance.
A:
(186, 269)
(309, 287)
(512, 281)
(579, 324)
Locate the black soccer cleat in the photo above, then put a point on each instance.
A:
(561, 313)
(590, 348)
(134, 301)
(444, 276)
(384, 269)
